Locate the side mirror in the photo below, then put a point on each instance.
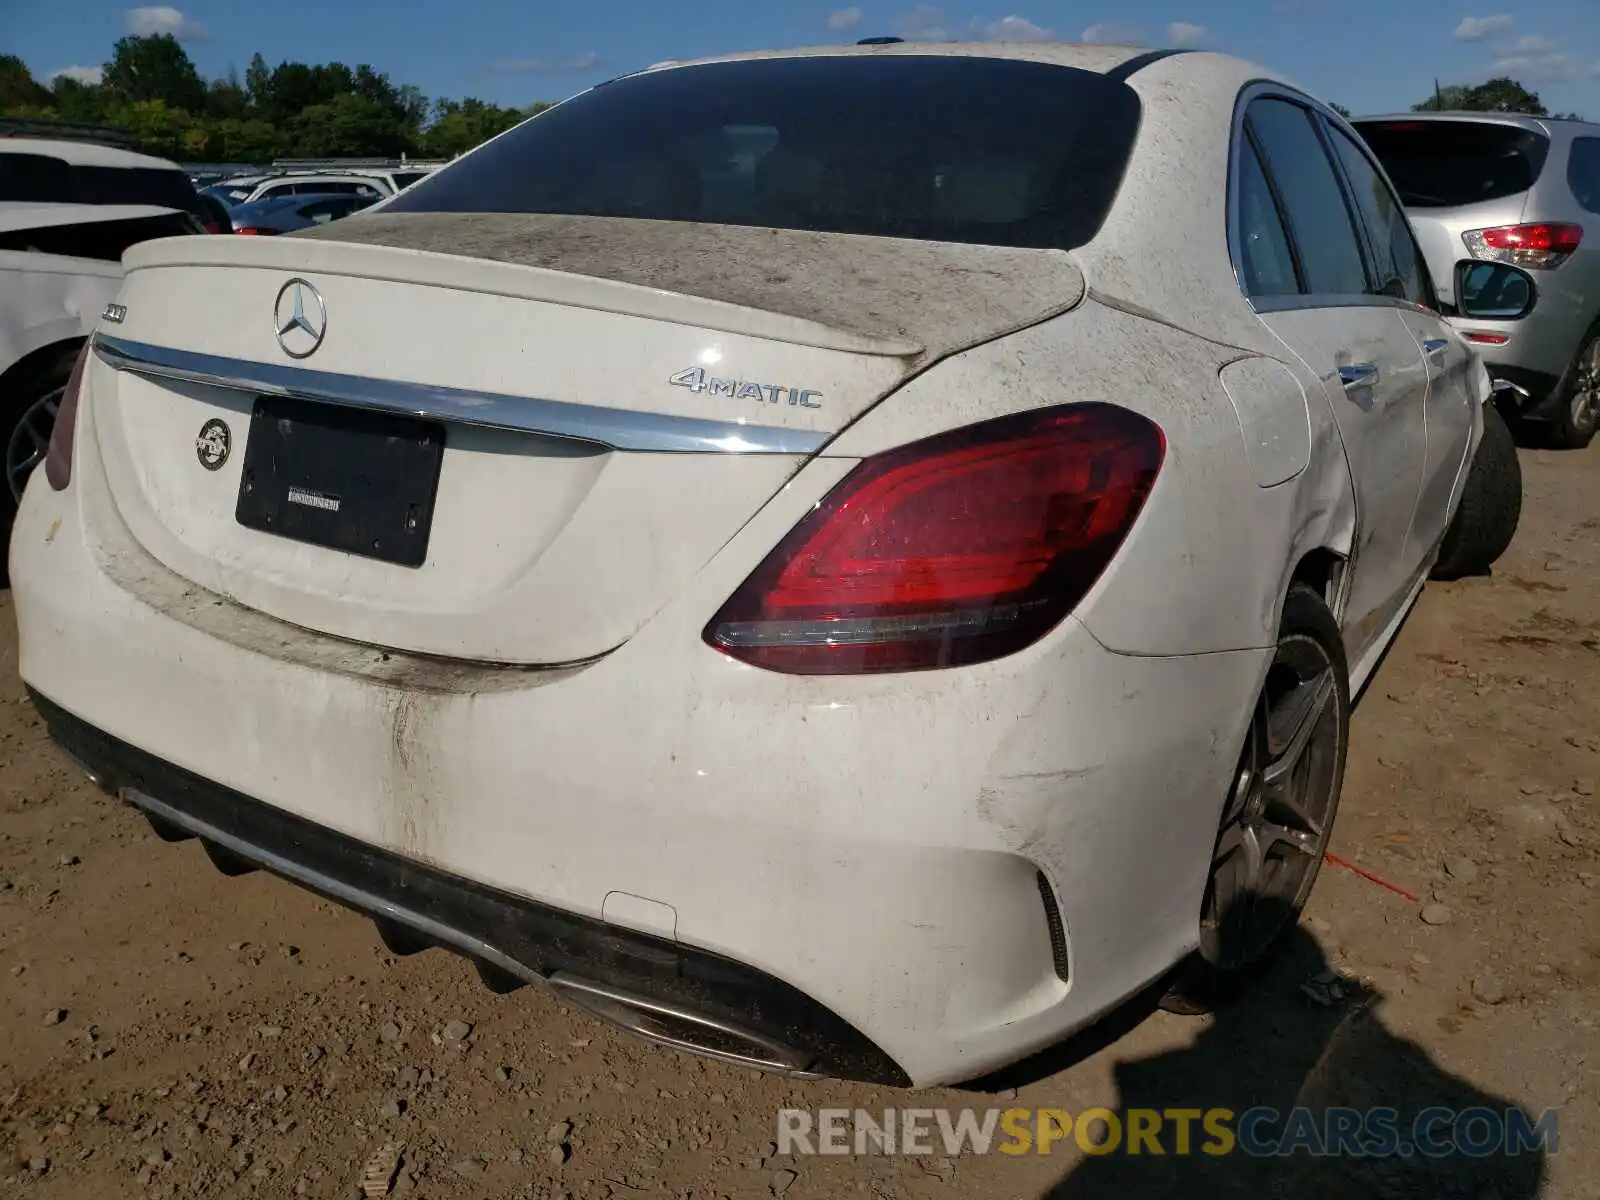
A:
(1492, 291)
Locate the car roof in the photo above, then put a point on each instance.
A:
(83, 154)
(1085, 56)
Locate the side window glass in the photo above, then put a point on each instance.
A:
(1267, 264)
(1583, 172)
(1401, 272)
(1313, 200)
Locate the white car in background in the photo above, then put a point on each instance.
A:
(848, 561)
(59, 269)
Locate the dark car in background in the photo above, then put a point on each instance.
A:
(285, 214)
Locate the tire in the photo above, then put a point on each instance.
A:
(1577, 412)
(1242, 930)
(26, 419)
(1491, 506)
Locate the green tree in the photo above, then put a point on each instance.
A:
(155, 68)
(18, 88)
(227, 98)
(258, 83)
(157, 127)
(348, 125)
(459, 125)
(74, 101)
(1500, 94)
(1340, 109)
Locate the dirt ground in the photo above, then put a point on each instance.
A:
(167, 1031)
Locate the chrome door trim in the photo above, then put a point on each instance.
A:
(618, 429)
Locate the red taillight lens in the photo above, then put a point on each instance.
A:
(1540, 246)
(1485, 339)
(58, 457)
(960, 548)
(254, 232)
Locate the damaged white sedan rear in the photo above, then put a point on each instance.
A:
(850, 561)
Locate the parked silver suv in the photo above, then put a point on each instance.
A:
(1522, 190)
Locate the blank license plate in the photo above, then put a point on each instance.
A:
(340, 477)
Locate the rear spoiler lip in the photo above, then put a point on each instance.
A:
(393, 264)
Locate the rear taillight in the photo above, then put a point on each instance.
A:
(957, 549)
(253, 231)
(1540, 247)
(58, 457)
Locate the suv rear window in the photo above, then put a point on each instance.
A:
(1447, 164)
(45, 179)
(979, 150)
(137, 185)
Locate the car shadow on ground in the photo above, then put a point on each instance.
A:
(1301, 1039)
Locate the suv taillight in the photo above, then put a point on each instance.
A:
(1541, 247)
(58, 456)
(957, 549)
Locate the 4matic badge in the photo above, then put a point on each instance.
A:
(696, 380)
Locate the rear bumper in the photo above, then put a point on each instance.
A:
(665, 990)
(874, 845)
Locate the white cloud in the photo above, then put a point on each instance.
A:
(1015, 29)
(1546, 67)
(1533, 44)
(845, 18)
(84, 75)
(160, 18)
(547, 66)
(1182, 33)
(923, 24)
(1111, 33)
(1478, 29)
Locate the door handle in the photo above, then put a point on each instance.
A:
(1359, 375)
(1434, 347)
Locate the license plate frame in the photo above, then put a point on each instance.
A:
(342, 478)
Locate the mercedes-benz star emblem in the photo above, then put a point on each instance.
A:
(300, 318)
(213, 444)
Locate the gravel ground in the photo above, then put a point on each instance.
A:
(166, 1031)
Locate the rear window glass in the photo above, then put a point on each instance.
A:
(137, 185)
(1446, 164)
(956, 149)
(36, 179)
(407, 178)
(104, 240)
(1583, 172)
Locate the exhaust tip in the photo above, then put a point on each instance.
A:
(681, 1029)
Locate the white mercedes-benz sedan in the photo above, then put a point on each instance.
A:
(851, 561)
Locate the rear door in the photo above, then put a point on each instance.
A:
(1291, 197)
(1402, 274)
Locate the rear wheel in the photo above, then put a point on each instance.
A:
(1578, 411)
(1279, 812)
(1491, 505)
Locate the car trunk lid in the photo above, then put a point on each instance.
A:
(614, 399)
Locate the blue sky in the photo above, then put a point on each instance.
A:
(1370, 55)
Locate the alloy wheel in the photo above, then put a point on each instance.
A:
(1586, 387)
(1276, 821)
(30, 441)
